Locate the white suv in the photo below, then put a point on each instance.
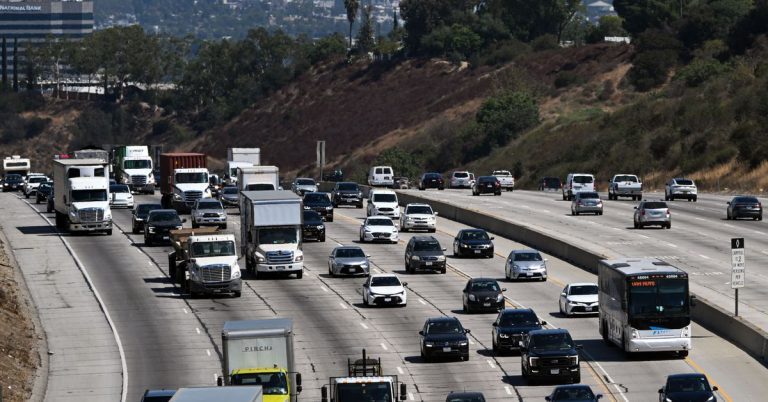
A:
(680, 188)
(461, 179)
(32, 182)
(418, 216)
(383, 202)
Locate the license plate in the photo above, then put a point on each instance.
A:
(528, 274)
(166, 237)
(280, 268)
(429, 263)
(554, 371)
(477, 251)
(489, 186)
(486, 304)
(387, 299)
(446, 349)
(587, 308)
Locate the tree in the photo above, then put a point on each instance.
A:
(639, 16)
(609, 25)
(422, 17)
(365, 40)
(352, 6)
(503, 117)
(528, 20)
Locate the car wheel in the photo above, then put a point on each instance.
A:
(694, 199)
(360, 205)
(474, 194)
(464, 308)
(669, 225)
(237, 294)
(442, 271)
(147, 241)
(195, 225)
(134, 230)
(760, 218)
(495, 348)
(599, 213)
(573, 212)
(576, 378)
(560, 307)
(322, 238)
(465, 357)
(109, 232)
(634, 223)
(330, 219)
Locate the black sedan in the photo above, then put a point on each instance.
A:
(44, 190)
(486, 185)
(139, 216)
(511, 325)
(12, 182)
(482, 294)
(573, 393)
(687, 387)
(473, 243)
(431, 180)
(320, 203)
(313, 227)
(159, 223)
(744, 207)
(444, 337)
(466, 396)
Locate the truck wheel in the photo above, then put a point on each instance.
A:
(360, 205)
(330, 218)
(224, 226)
(172, 264)
(236, 294)
(195, 225)
(300, 274)
(576, 378)
(109, 232)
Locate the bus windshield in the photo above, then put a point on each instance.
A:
(657, 298)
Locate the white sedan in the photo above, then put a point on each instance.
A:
(384, 289)
(378, 228)
(579, 298)
(120, 196)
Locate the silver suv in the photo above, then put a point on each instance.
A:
(652, 213)
(680, 188)
(208, 212)
(586, 201)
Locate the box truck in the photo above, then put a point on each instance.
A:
(271, 225)
(81, 199)
(258, 178)
(183, 180)
(133, 166)
(218, 394)
(260, 352)
(16, 164)
(240, 157)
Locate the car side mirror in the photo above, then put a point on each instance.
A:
(599, 396)
(444, 248)
(493, 238)
(714, 388)
(495, 324)
(368, 256)
(365, 285)
(563, 294)
(547, 398)
(435, 213)
(661, 390)
(466, 331)
(503, 289)
(421, 333)
(542, 323)
(729, 203)
(635, 207)
(184, 220)
(521, 345)
(546, 259)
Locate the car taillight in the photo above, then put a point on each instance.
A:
(669, 213)
(498, 184)
(642, 212)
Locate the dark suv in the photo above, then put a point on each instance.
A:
(486, 185)
(139, 216)
(313, 226)
(550, 353)
(473, 243)
(482, 294)
(431, 180)
(347, 193)
(444, 337)
(424, 252)
(511, 326)
(744, 207)
(158, 225)
(12, 182)
(320, 203)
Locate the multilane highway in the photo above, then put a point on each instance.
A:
(173, 341)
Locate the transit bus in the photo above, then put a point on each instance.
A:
(644, 305)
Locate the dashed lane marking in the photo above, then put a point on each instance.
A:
(400, 370)
(362, 324)
(344, 306)
(383, 346)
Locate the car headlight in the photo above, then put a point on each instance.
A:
(330, 207)
(711, 398)
(515, 266)
(5, 184)
(299, 258)
(306, 207)
(471, 297)
(409, 218)
(151, 229)
(415, 257)
(500, 298)
(464, 245)
(260, 258)
(504, 336)
(364, 265)
(359, 194)
(533, 361)
(574, 360)
(320, 226)
(441, 258)
(236, 272)
(367, 230)
(178, 227)
(667, 400)
(177, 197)
(429, 345)
(463, 343)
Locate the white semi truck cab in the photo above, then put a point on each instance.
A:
(209, 259)
(189, 186)
(271, 225)
(364, 383)
(133, 166)
(82, 195)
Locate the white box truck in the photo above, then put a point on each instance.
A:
(16, 164)
(218, 394)
(258, 178)
(271, 226)
(260, 352)
(81, 196)
(240, 158)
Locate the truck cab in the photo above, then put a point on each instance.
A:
(364, 383)
(211, 261)
(133, 166)
(82, 195)
(189, 186)
(232, 166)
(273, 381)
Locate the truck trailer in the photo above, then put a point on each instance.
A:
(81, 198)
(258, 178)
(240, 158)
(183, 180)
(260, 352)
(218, 394)
(93, 153)
(271, 226)
(133, 166)
(16, 164)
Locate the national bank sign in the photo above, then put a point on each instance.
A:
(22, 7)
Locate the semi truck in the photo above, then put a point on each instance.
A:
(239, 158)
(258, 178)
(133, 166)
(260, 352)
(271, 225)
(218, 394)
(204, 261)
(364, 383)
(16, 164)
(183, 180)
(82, 195)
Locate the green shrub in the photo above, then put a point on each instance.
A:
(457, 40)
(699, 71)
(504, 117)
(35, 125)
(545, 42)
(657, 53)
(566, 79)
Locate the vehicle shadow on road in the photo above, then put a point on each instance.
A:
(38, 230)
(601, 351)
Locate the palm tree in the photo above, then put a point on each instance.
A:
(352, 7)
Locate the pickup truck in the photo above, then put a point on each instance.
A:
(505, 178)
(625, 185)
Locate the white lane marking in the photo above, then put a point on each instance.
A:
(339, 244)
(546, 211)
(324, 288)
(698, 219)
(490, 363)
(383, 346)
(425, 303)
(704, 257)
(509, 391)
(376, 270)
(644, 236)
(764, 252)
(607, 377)
(198, 330)
(150, 263)
(344, 306)
(728, 226)
(138, 250)
(410, 397)
(362, 324)
(471, 342)
(671, 245)
(185, 311)
(619, 229)
(759, 232)
(400, 370)
(208, 352)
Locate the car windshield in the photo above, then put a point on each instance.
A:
(474, 235)
(213, 249)
(277, 235)
(13, 177)
(487, 179)
(137, 164)
(192, 177)
(470, 398)
(209, 205)
(461, 175)
(655, 205)
(432, 176)
(380, 222)
(316, 198)
(751, 200)
(573, 394)
(384, 198)
(501, 173)
(89, 195)
(260, 187)
(168, 216)
(229, 190)
(444, 327)
(687, 384)
(625, 178)
(38, 179)
(347, 187)
(484, 286)
(582, 290)
(427, 246)
(142, 210)
(385, 281)
(521, 319)
(271, 383)
(583, 179)
(555, 341)
(419, 209)
(552, 182)
(350, 253)
(119, 188)
(312, 216)
(590, 195)
(527, 257)
(305, 182)
(684, 182)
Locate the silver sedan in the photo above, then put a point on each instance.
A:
(348, 261)
(586, 202)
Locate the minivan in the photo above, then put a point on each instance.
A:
(576, 183)
(383, 202)
(381, 176)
